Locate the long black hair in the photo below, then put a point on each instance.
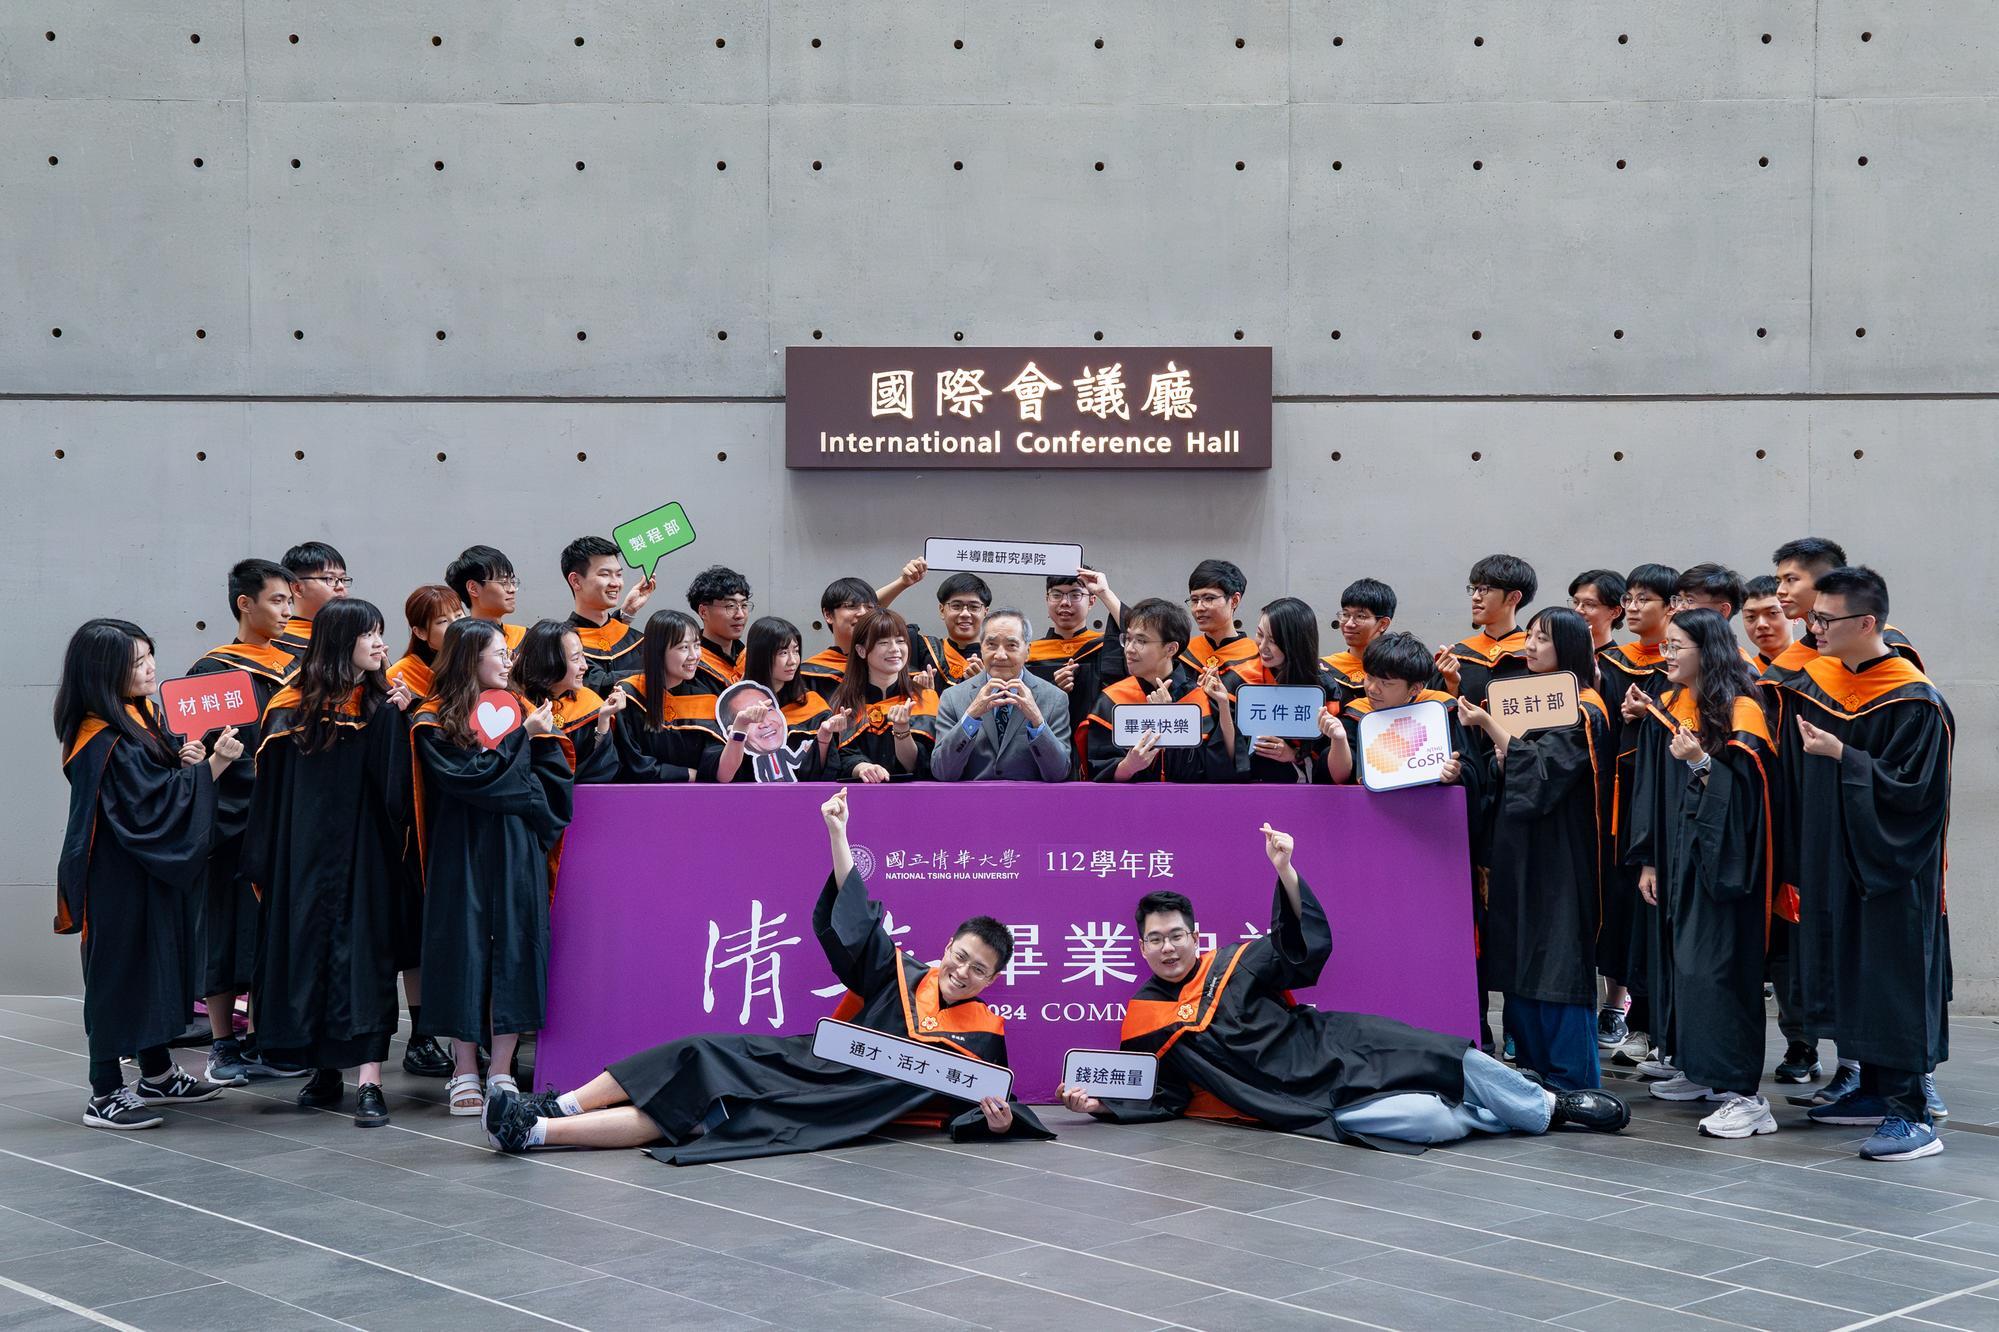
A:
(1575, 649)
(455, 688)
(327, 676)
(766, 638)
(1724, 675)
(540, 664)
(1294, 628)
(665, 630)
(94, 668)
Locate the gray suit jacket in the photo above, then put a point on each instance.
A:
(958, 757)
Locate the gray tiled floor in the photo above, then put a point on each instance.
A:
(249, 1213)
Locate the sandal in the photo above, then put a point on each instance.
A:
(502, 1082)
(464, 1093)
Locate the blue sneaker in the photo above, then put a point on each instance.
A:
(1931, 1101)
(1857, 1108)
(225, 1064)
(1899, 1140)
(1845, 1082)
(1509, 1054)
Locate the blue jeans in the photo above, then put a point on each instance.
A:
(1497, 1100)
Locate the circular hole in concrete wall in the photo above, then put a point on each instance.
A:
(49, 35)
(1239, 166)
(55, 332)
(1097, 336)
(1762, 161)
(298, 455)
(579, 166)
(1859, 332)
(1339, 41)
(201, 455)
(1866, 36)
(1766, 39)
(298, 335)
(1476, 335)
(294, 164)
(437, 165)
(194, 37)
(201, 332)
(1860, 453)
(816, 164)
(1100, 166)
(1478, 41)
(958, 336)
(440, 457)
(1761, 453)
(436, 40)
(1336, 335)
(721, 166)
(817, 334)
(201, 624)
(1478, 166)
(579, 41)
(582, 457)
(294, 39)
(197, 164)
(1336, 455)
(1618, 456)
(1240, 43)
(1336, 164)
(815, 43)
(58, 453)
(1617, 333)
(1238, 335)
(1623, 38)
(721, 42)
(1100, 43)
(52, 161)
(1762, 332)
(957, 166)
(721, 335)
(1476, 455)
(1863, 161)
(582, 336)
(440, 335)
(722, 456)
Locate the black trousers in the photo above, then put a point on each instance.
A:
(1902, 1089)
(106, 1076)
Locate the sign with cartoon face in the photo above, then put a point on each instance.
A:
(751, 709)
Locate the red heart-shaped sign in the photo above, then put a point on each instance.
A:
(495, 716)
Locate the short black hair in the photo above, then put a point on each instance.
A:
(1508, 573)
(1865, 591)
(309, 557)
(841, 591)
(1399, 656)
(1762, 585)
(1713, 580)
(989, 932)
(1814, 553)
(717, 582)
(476, 564)
(1371, 595)
(1221, 575)
(1164, 902)
(1608, 584)
(1067, 580)
(1168, 619)
(964, 582)
(1662, 580)
(247, 579)
(576, 556)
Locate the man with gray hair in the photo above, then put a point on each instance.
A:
(1002, 724)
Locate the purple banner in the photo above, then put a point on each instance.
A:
(690, 910)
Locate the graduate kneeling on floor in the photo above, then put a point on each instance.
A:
(1233, 1045)
(724, 1097)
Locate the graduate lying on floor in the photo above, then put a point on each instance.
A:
(723, 1097)
(1233, 1046)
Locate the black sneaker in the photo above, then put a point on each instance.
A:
(370, 1110)
(323, 1090)
(508, 1120)
(1801, 1063)
(177, 1088)
(425, 1058)
(1592, 1109)
(546, 1105)
(121, 1109)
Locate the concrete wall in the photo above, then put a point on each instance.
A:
(1687, 174)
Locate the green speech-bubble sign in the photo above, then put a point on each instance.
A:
(645, 539)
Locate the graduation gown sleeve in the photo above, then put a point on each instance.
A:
(654, 754)
(162, 818)
(530, 779)
(1299, 943)
(849, 925)
(1894, 803)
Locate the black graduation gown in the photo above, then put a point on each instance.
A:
(610, 651)
(942, 656)
(226, 923)
(780, 1097)
(1348, 679)
(1624, 943)
(1233, 1045)
(597, 762)
(1098, 752)
(1099, 659)
(870, 738)
(326, 847)
(1709, 841)
(1873, 935)
(1482, 659)
(488, 820)
(140, 830)
(720, 666)
(1543, 895)
(670, 751)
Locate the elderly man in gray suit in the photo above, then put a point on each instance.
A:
(1002, 724)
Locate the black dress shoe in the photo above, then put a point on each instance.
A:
(425, 1058)
(370, 1110)
(1592, 1108)
(322, 1090)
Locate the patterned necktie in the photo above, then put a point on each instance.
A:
(1002, 717)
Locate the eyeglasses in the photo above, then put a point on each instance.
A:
(508, 583)
(338, 582)
(979, 970)
(1639, 600)
(1206, 600)
(964, 607)
(1137, 640)
(1175, 937)
(1682, 601)
(730, 604)
(1671, 649)
(1357, 617)
(1818, 623)
(1583, 606)
(1068, 598)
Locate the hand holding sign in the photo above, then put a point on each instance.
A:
(197, 704)
(495, 716)
(1113, 1075)
(1170, 725)
(646, 539)
(936, 1068)
(1524, 703)
(1406, 746)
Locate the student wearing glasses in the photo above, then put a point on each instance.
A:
(720, 599)
(962, 601)
(1500, 586)
(1233, 1046)
(725, 1097)
(1155, 635)
(488, 588)
(1214, 593)
(319, 575)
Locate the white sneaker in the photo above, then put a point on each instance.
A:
(1683, 1088)
(1658, 1066)
(1740, 1117)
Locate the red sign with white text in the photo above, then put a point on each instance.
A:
(198, 704)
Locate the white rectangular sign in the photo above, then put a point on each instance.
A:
(1111, 1075)
(1523, 703)
(1405, 746)
(1178, 725)
(1290, 712)
(1035, 558)
(929, 1066)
